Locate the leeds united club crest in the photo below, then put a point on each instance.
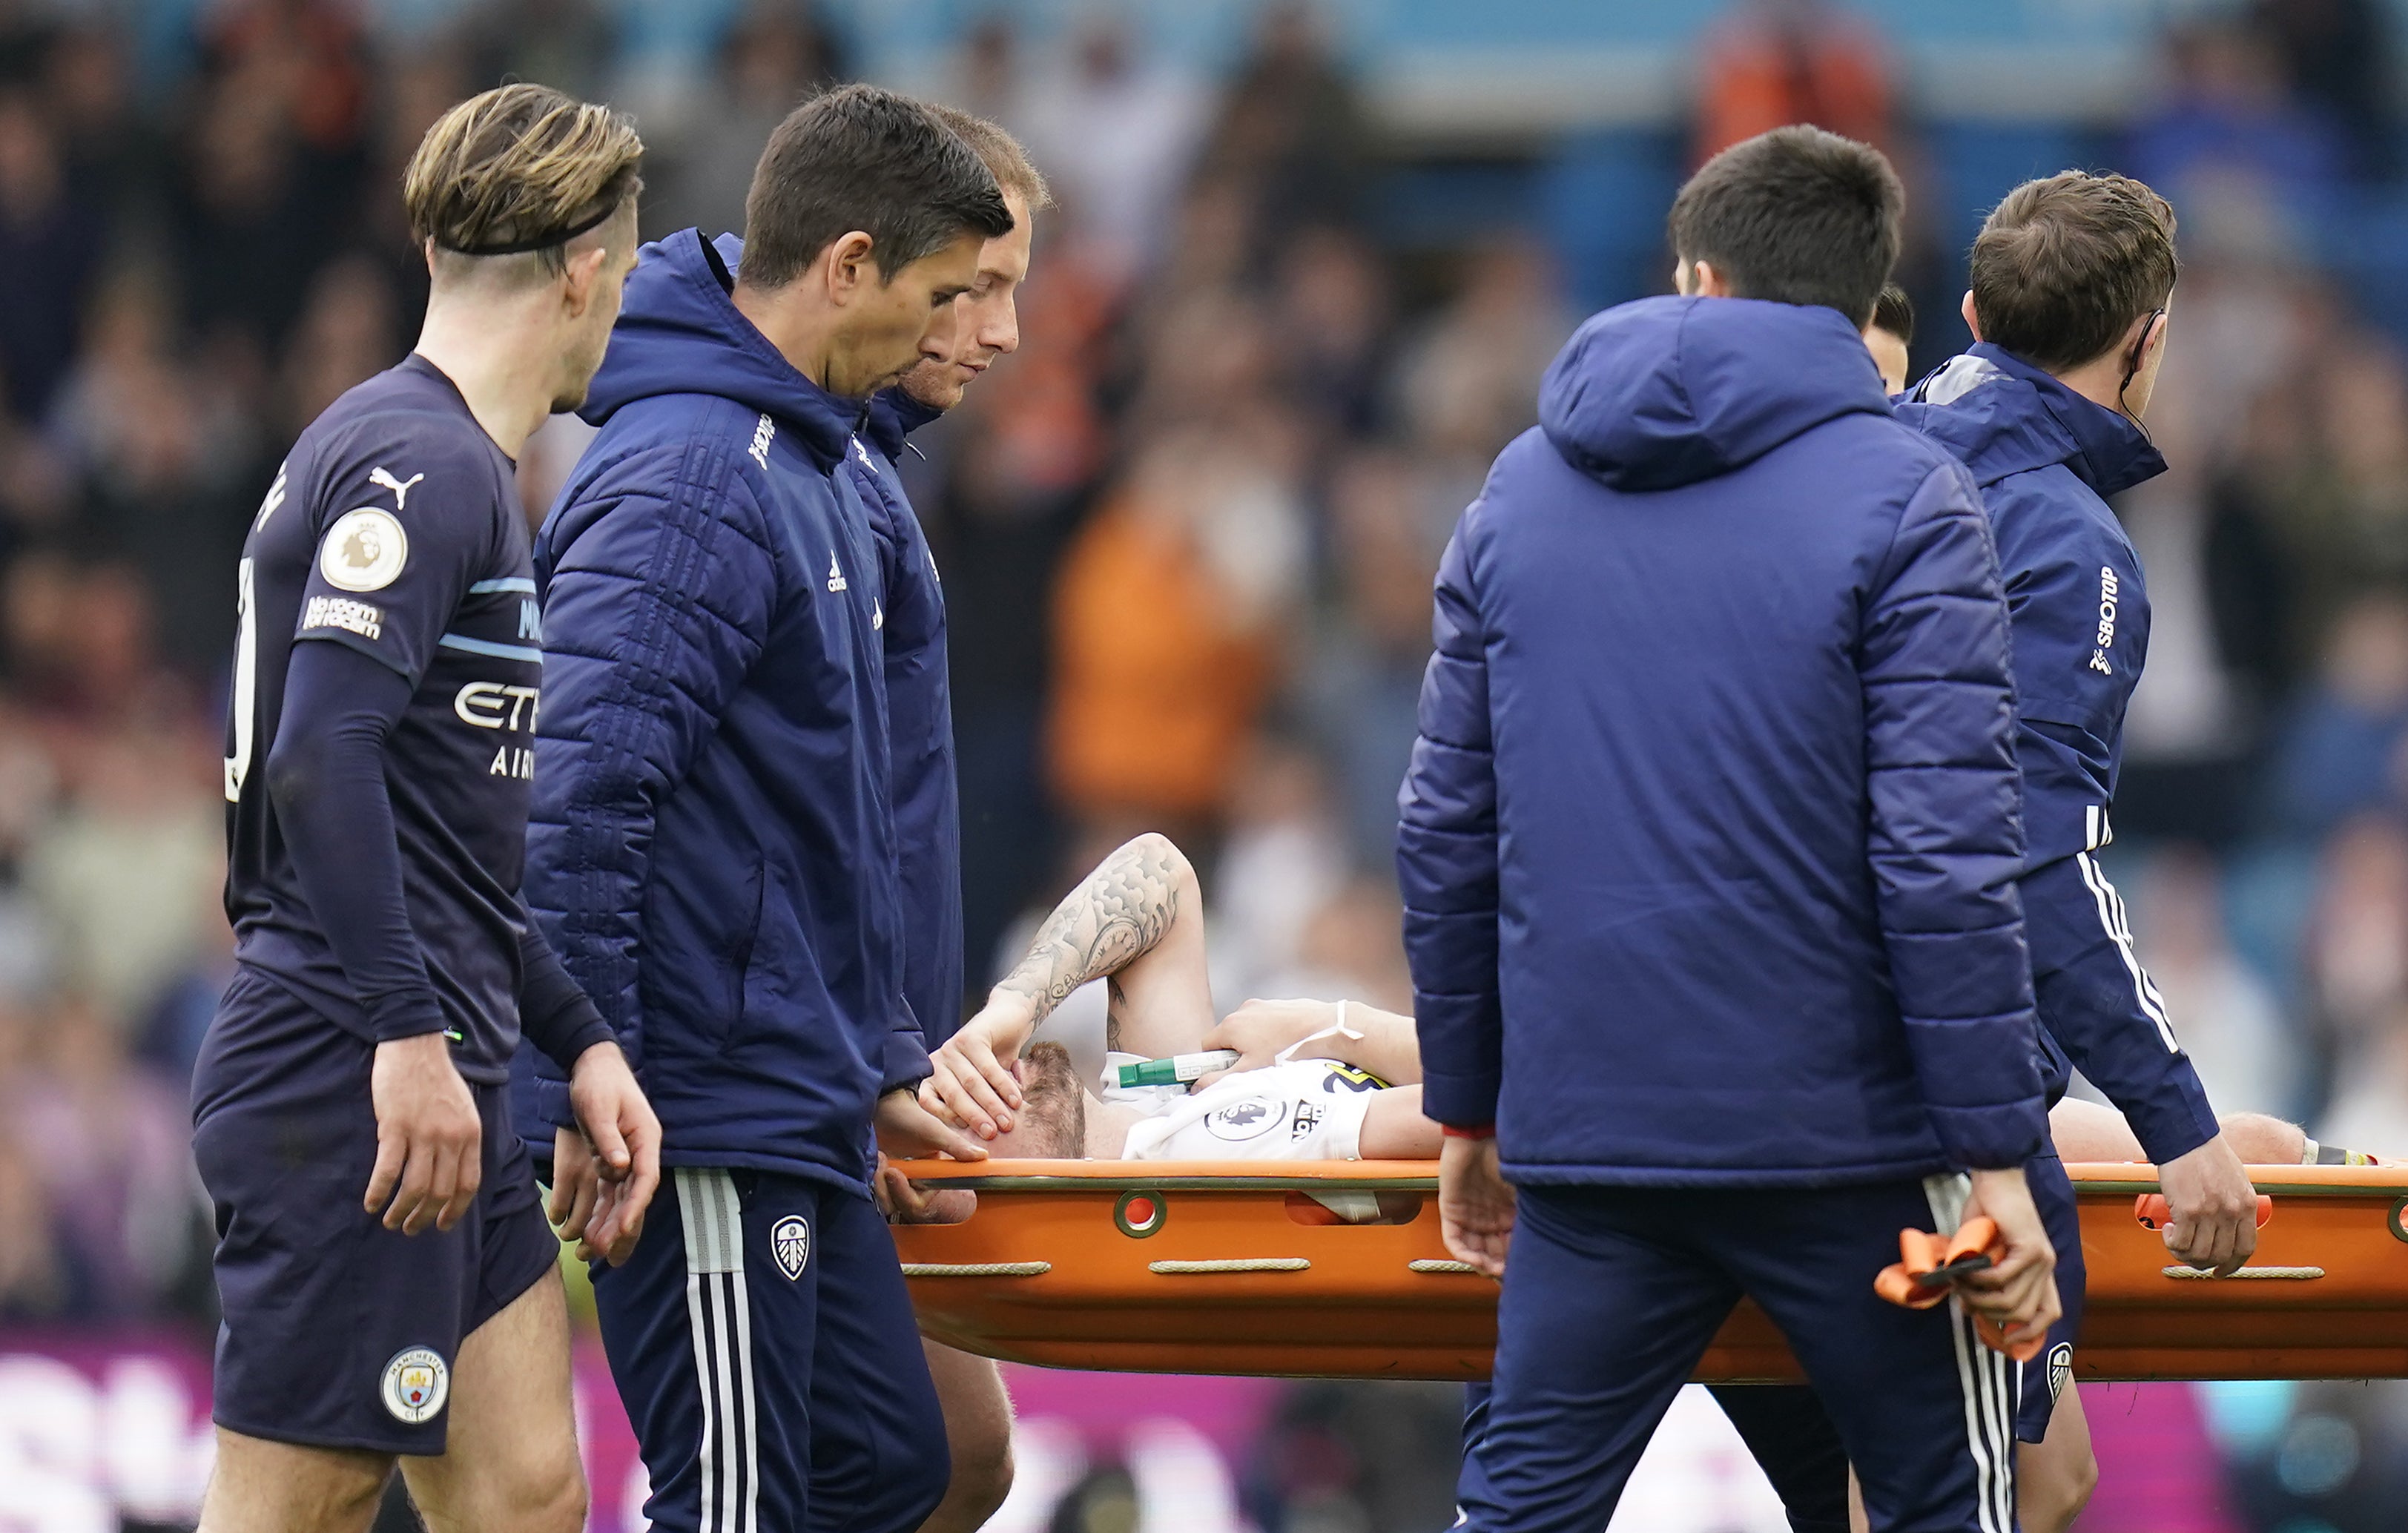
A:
(790, 1242)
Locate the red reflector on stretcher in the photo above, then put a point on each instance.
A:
(1336, 1269)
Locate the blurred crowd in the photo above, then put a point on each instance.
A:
(1187, 534)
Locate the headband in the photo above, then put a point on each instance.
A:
(543, 242)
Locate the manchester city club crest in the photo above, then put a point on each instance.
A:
(790, 1242)
(2060, 1368)
(416, 1384)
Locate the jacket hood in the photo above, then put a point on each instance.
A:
(679, 332)
(2000, 415)
(892, 416)
(1667, 391)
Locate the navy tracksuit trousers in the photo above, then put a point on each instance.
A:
(1612, 1295)
(1787, 1432)
(764, 1342)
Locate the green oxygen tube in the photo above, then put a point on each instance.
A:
(1178, 1070)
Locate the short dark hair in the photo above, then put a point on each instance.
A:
(2065, 265)
(1894, 313)
(864, 158)
(1797, 216)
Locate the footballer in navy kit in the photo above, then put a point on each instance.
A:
(440, 593)
(382, 1254)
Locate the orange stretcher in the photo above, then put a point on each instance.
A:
(1213, 1267)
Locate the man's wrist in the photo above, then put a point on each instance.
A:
(1468, 1131)
(1018, 1005)
(1320, 1038)
(401, 1018)
(424, 1038)
(2169, 1134)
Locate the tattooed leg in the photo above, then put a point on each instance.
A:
(1138, 920)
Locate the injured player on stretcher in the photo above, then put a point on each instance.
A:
(1314, 1080)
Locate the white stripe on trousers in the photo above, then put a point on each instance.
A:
(718, 1307)
(1981, 1379)
(2118, 922)
(2096, 831)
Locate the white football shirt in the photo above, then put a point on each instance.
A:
(1305, 1110)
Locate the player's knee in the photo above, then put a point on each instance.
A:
(553, 1505)
(2047, 1502)
(230, 1504)
(2262, 1140)
(258, 1484)
(981, 1481)
(547, 1497)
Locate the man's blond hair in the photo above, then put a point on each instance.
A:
(1006, 161)
(521, 170)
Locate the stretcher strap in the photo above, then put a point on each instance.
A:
(1336, 1029)
(2296, 1274)
(1448, 1268)
(976, 1269)
(1237, 1264)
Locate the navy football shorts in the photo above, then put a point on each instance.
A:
(2050, 1374)
(337, 1332)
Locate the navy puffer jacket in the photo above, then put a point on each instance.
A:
(1710, 840)
(713, 847)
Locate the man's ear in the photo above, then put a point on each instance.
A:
(1706, 282)
(849, 267)
(2154, 337)
(1972, 320)
(584, 271)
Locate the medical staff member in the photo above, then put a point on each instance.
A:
(712, 846)
(1708, 847)
(2072, 289)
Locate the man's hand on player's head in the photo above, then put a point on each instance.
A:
(2020, 1292)
(618, 1126)
(1258, 1031)
(971, 1081)
(429, 1142)
(1475, 1204)
(908, 1130)
(2214, 1207)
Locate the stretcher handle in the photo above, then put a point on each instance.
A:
(2154, 1212)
